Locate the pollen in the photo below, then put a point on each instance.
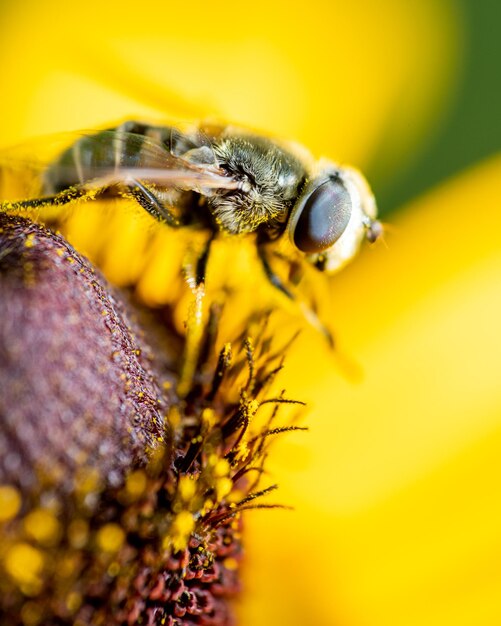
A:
(136, 484)
(187, 488)
(223, 487)
(67, 566)
(31, 614)
(209, 418)
(24, 564)
(110, 537)
(113, 570)
(182, 527)
(231, 563)
(10, 502)
(252, 407)
(30, 241)
(42, 526)
(174, 416)
(222, 468)
(73, 601)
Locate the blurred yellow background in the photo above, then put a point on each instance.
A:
(396, 485)
(344, 78)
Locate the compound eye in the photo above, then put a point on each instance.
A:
(324, 216)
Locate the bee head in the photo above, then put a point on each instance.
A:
(335, 212)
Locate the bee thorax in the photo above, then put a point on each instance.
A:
(270, 179)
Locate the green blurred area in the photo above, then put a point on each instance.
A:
(471, 127)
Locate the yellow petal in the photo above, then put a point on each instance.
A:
(396, 486)
(349, 79)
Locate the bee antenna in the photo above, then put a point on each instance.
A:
(385, 229)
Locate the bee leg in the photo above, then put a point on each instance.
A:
(274, 279)
(59, 199)
(150, 203)
(308, 313)
(194, 323)
(201, 266)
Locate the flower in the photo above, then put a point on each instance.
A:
(396, 517)
(121, 501)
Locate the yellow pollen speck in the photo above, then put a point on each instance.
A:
(209, 418)
(73, 601)
(208, 506)
(71, 260)
(31, 614)
(222, 468)
(30, 241)
(136, 484)
(212, 459)
(242, 452)
(110, 537)
(113, 570)
(10, 502)
(67, 565)
(181, 529)
(252, 407)
(24, 564)
(230, 563)
(174, 417)
(223, 487)
(157, 456)
(60, 251)
(186, 488)
(42, 526)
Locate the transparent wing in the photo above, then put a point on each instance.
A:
(98, 159)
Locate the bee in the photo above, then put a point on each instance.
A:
(224, 180)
